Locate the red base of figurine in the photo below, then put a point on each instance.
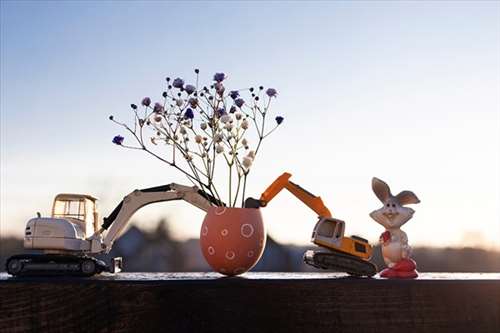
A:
(403, 269)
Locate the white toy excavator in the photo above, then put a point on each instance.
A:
(71, 234)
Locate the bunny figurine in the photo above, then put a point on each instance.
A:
(394, 242)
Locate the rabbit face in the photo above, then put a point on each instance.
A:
(392, 214)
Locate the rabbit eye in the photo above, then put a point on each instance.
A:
(393, 205)
(388, 205)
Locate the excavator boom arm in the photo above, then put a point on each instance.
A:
(309, 199)
(121, 215)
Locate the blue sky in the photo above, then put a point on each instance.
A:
(405, 91)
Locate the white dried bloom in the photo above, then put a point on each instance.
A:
(198, 138)
(183, 130)
(238, 115)
(218, 137)
(244, 142)
(228, 126)
(251, 154)
(219, 149)
(247, 162)
(225, 118)
(203, 126)
(244, 124)
(179, 102)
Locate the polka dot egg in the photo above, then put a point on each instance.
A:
(232, 239)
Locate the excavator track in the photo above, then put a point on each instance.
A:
(54, 264)
(340, 262)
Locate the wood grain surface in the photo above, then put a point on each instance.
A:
(256, 302)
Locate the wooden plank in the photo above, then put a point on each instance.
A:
(258, 302)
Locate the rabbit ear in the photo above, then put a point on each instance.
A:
(381, 189)
(407, 197)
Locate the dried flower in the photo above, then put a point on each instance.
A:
(279, 119)
(219, 77)
(244, 142)
(239, 102)
(218, 137)
(193, 102)
(245, 124)
(219, 88)
(247, 162)
(188, 157)
(118, 140)
(133, 106)
(190, 89)
(146, 101)
(225, 118)
(220, 112)
(228, 126)
(158, 119)
(234, 94)
(251, 154)
(111, 117)
(219, 149)
(178, 83)
(232, 109)
(271, 92)
(158, 108)
(189, 114)
(179, 102)
(203, 126)
(183, 130)
(164, 94)
(198, 138)
(238, 115)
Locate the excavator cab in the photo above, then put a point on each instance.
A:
(80, 209)
(328, 232)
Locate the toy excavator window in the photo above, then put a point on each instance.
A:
(70, 209)
(330, 228)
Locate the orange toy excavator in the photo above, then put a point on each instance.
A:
(346, 254)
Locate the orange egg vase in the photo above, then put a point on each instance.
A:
(232, 239)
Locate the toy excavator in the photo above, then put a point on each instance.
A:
(346, 254)
(71, 233)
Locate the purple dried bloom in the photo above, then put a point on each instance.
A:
(232, 109)
(189, 114)
(146, 101)
(279, 119)
(178, 83)
(221, 112)
(158, 108)
(190, 89)
(234, 94)
(219, 77)
(239, 102)
(133, 106)
(118, 140)
(271, 92)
